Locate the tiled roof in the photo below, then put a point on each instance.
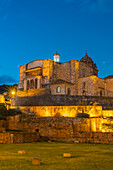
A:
(60, 81)
(109, 77)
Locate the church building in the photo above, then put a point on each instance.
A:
(69, 78)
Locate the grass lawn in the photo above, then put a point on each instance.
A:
(84, 156)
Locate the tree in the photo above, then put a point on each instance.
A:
(3, 110)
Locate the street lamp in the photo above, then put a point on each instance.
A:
(13, 92)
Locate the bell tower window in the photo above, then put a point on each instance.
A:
(56, 57)
(83, 73)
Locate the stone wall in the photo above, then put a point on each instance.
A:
(63, 71)
(93, 130)
(4, 137)
(86, 84)
(88, 71)
(64, 89)
(20, 137)
(52, 124)
(33, 92)
(62, 100)
(21, 77)
(47, 69)
(65, 111)
(93, 86)
(3, 125)
(90, 137)
(34, 64)
(109, 86)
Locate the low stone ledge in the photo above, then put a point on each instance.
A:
(22, 152)
(66, 155)
(36, 161)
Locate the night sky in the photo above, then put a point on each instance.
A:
(36, 29)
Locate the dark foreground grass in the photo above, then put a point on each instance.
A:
(84, 156)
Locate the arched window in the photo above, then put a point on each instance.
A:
(68, 91)
(58, 89)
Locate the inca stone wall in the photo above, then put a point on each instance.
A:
(3, 125)
(66, 111)
(62, 100)
(83, 130)
(20, 137)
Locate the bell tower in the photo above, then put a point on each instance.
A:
(56, 57)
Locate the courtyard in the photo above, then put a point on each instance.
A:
(83, 156)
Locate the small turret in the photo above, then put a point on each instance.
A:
(56, 57)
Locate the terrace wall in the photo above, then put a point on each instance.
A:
(60, 100)
(83, 130)
(19, 137)
(66, 129)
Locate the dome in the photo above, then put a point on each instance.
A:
(86, 59)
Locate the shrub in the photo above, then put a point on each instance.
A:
(25, 115)
(3, 110)
(12, 112)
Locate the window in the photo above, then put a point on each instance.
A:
(100, 92)
(84, 93)
(83, 73)
(83, 85)
(68, 91)
(58, 89)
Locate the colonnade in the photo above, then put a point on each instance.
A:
(32, 84)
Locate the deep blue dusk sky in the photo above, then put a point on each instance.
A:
(36, 29)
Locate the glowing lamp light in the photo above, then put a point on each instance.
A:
(13, 92)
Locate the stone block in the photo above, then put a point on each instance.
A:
(76, 141)
(49, 141)
(66, 155)
(21, 152)
(36, 161)
(83, 140)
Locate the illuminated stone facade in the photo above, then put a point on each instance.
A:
(66, 111)
(69, 78)
(2, 99)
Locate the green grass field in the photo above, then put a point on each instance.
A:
(84, 156)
